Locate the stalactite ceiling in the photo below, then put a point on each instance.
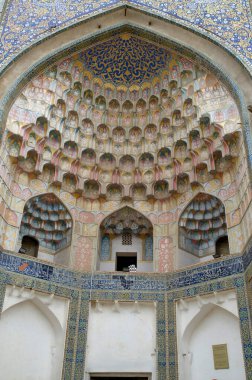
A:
(201, 224)
(47, 219)
(125, 118)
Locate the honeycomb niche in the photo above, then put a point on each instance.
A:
(202, 227)
(47, 221)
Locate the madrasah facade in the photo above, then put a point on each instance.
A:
(125, 190)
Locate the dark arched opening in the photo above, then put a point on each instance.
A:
(29, 246)
(221, 247)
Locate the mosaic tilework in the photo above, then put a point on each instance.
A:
(105, 248)
(205, 273)
(149, 248)
(247, 255)
(117, 282)
(248, 281)
(125, 60)
(26, 22)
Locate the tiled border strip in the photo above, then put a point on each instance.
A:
(137, 5)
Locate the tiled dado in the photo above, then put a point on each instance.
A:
(163, 289)
(118, 282)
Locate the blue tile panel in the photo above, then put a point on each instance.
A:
(105, 248)
(148, 248)
(227, 22)
(109, 281)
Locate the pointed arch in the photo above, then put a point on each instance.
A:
(44, 309)
(212, 325)
(202, 313)
(184, 41)
(126, 236)
(21, 326)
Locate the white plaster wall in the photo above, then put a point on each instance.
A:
(61, 257)
(201, 323)
(136, 247)
(185, 259)
(32, 335)
(121, 338)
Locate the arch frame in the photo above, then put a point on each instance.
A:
(43, 308)
(238, 85)
(194, 196)
(127, 7)
(98, 245)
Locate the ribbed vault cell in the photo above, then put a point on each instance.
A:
(124, 118)
(201, 224)
(46, 219)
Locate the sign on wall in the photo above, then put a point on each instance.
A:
(220, 356)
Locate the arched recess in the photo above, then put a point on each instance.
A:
(31, 336)
(46, 220)
(29, 246)
(208, 51)
(213, 325)
(126, 238)
(201, 225)
(35, 115)
(213, 166)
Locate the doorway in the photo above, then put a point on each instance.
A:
(124, 260)
(29, 246)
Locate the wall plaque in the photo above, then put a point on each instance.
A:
(220, 355)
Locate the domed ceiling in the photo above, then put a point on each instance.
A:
(124, 118)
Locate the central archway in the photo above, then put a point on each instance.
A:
(126, 240)
(100, 138)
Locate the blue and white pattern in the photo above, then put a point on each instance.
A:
(148, 248)
(105, 248)
(228, 23)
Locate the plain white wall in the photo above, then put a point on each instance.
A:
(121, 338)
(201, 323)
(185, 259)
